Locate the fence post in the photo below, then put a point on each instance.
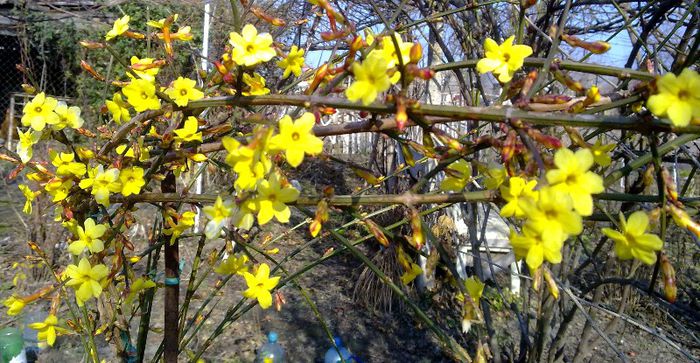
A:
(171, 335)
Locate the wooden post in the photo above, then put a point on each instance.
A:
(172, 285)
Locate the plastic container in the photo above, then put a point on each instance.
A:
(12, 346)
(271, 352)
(332, 355)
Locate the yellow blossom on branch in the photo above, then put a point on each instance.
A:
(572, 176)
(59, 188)
(256, 85)
(297, 138)
(678, 97)
(65, 166)
(518, 193)
(185, 222)
(552, 213)
(601, 154)
(132, 180)
(260, 285)
(26, 144)
(88, 237)
(293, 62)
(183, 90)
(67, 117)
(633, 241)
(48, 329)
(189, 131)
(159, 24)
(120, 26)
(14, 305)
(39, 112)
(183, 34)
(138, 285)
(234, 264)
(371, 78)
(503, 60)
(102, 183)
(390, 54)
(457, 176)
(29, 196)
(144, 68)
(86, 279)
(272, 199)
(118, 108)
(141, 94)
(218, 215)
(251, 48)
(243, 217)
(531, 246)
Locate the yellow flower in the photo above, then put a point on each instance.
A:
(233, 265)
(26, 144)
(293, 62)
(600, 153)
(120, 26)
(189, 132)
(250, 163)
(633, 241)
(183, 90)
(185, 222)
(475, 288)
(142, 95)
(457, 176)
(138, 285)
(145, 151)
(297, 138)
(29, 195)
(118, 108)
(131, 180)
(677, 97)
(86, 280)
(517, 193)
(68, 117)
(260, 285)
(552, 214)
(494, 176)
(534, 249)
(573, 178)
(218, 215)
(148, 74)
(243, 214)
(503, 60)
(14, 305)
(65, 166)
(272, 199)
(411, 274)
(159, 24)
(389, 53)
(88, 237)
(256, 84)
(48, 329)
(102, 183)
(39, 112)
(58, 188)
(251, 48)
(371, 78)
(183, 33)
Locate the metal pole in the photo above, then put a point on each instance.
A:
(205, 67)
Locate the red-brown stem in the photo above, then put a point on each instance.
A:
(172, 289)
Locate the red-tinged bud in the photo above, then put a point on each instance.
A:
(228, 78)
(28, 88)
(416, 53)
(88, 44)
(134, 35)
(417, 238)
(551, 284)
(669, 278)
(577, 107)
(508, 149)
(280, 300)
(669, 185)
(376, 232)
(327, 111)
(15, 172)
(328, 191)
(88, 68)
(356, 44)
(401, 116)
(321, 73)
(565, 79)
(333, 35)
(547, 141)
(85, 132)
(683, 220)
(597, 47)
(551, 99)
(158, 63)
(575, 136)
(448, 140)
(266, 17)
(364, 114)
(21, 68)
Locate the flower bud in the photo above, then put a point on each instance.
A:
(416, 53)
(669, 279)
